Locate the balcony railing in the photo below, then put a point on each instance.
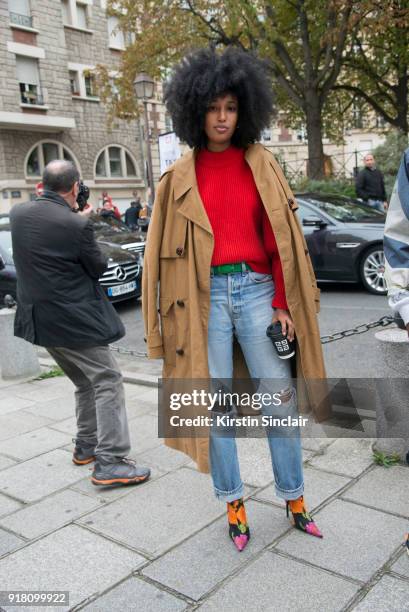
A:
(22, 20)
(31, 94)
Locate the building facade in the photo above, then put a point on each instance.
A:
(49, 106)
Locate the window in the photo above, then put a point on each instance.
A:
(168, 123)
(29, 80)
(82, 81)
(75, 14)
(116, 36)
(20, 13)
(42, 154)
(89, 81)
(115, 162)
(82, 16)
(74, 83)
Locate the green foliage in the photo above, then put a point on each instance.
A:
(327, 186)
(388, 156)
(386, 460)
(52, 373)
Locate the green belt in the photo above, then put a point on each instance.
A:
(230, 268)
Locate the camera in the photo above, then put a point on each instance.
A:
(83, 195)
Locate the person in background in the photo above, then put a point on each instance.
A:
(107, 211)
(111, 205)
(132, 213)
(62, 307)
(370, 185)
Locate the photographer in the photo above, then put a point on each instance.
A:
(62, 307)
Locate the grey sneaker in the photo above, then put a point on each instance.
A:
(124, 472)
(83, 453)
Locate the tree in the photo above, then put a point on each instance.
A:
(376, 68)
(303, 40)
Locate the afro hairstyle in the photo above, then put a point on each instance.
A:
(204, 75)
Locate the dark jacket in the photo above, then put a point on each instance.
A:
(370, 186)
(58, 264)
(132, 215)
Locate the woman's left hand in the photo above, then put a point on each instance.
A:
(287, 325)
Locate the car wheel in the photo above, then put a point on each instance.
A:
(372, 270)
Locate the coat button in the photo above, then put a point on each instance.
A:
(179, 251)
(180, 351)
(180, 303)
(290, 202)
(144, 340)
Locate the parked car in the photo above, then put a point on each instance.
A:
(112, 231)
(121, 281)
(345, 239)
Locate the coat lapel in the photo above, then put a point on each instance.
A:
(186, 187)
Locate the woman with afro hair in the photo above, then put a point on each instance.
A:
(212, 251)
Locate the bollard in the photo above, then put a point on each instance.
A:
(18, 358)
(392, 409)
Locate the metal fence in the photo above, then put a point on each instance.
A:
(340, 166)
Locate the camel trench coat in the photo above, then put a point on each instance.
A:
(176, 277)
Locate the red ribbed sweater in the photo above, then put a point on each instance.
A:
(242, 231)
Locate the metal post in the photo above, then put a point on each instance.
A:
(148, 151)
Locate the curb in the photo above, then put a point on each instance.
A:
(146, 380)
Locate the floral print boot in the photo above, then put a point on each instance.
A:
(238, 529)
(302, 519)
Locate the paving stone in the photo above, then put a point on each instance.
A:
(346, 456)
(275, 583)
(385, 489)
(34, 443)
(316, 444)
(401, 566)
(6, 462)
(136, 408)
(205, 559)
(150, 395)
(163, 457)
(57, 409)
(159, 514)
(8, 542)
(8, 505)
(357, 541)
(31, 480)
(13, 403)
(255, 461)
(50, 514)
(144, 433)
(68, 426)
(71, 559)
(148, 597)
(391, 594)
(106, 494)
(319, 486)
(43, 391)
(16, 423)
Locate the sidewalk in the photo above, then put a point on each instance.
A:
(163, 546)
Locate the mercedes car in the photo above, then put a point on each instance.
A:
(121, 281)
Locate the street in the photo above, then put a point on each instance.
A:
(342, 306)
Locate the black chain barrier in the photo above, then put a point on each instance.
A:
(359, 329)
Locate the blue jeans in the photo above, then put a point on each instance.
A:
(241, 305)
(377, 204)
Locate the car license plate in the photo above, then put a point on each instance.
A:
(120, 289)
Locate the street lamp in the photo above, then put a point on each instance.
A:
(143, 87)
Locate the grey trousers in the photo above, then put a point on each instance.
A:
(100, 399)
